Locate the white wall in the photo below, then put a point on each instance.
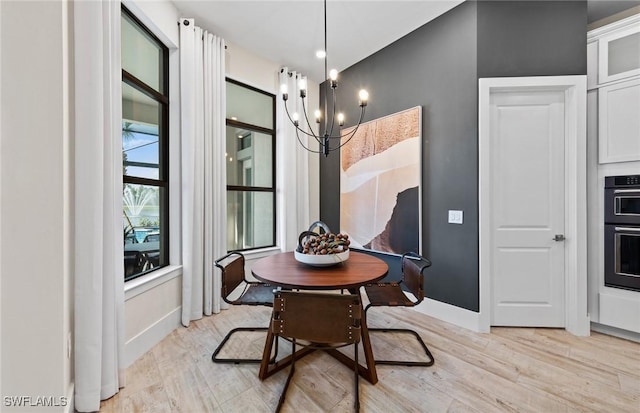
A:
(159, 16)
(35, 200)
(251, 69)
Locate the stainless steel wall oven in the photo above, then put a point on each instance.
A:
(622, 232)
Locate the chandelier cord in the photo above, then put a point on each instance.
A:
(326, 66)
(330, 84)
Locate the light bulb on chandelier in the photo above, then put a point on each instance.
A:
(331, 82)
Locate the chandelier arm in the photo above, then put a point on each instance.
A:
(306, 118)
(313, 135)
(351, 134)
(302, 144)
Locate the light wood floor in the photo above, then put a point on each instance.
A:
(509, 370)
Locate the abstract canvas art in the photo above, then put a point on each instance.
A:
(380, 191)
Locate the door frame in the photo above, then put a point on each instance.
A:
(575, 91)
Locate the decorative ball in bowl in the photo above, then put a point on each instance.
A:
(322, 250)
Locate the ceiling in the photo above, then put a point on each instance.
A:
(599, 9)
(290, 32)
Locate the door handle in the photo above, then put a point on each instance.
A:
(619, 229)
(559, 237)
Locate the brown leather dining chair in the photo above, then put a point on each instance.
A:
(251, 293)
(316, 321)
(391, 294)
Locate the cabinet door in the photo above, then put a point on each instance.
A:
(619, 54)
(619, 122)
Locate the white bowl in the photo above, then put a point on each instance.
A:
(322, 260)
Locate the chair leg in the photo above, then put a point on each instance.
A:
(403, 362)
(356, 378)
(292, 370)
(217, 359)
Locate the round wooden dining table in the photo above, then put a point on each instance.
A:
(285, 271)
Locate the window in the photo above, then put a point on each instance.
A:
(251, 173)
(145, 144)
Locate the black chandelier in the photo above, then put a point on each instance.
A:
(323, 140)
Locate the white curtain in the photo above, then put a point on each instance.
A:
(99, 273)
(204, 196)
(293, 187)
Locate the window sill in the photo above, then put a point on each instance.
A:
(260, 253)
(145, 283)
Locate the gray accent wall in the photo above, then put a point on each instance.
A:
(532, 38)
(437, 67)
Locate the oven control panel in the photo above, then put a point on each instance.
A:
(621, 181)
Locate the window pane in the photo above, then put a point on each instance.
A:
(249, 220)
(143, 233)
(249, 158)
(248, 106)
(144, 149)
(141, 54)
(140, 131)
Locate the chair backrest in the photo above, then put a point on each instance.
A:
(330, 319)
(232, 267)
(413, 266)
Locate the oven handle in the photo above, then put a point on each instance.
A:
(629, 229)
(625, 191)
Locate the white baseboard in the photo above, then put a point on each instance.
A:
(143, 342)
(616, 332)
(471, 320)
(451, 314)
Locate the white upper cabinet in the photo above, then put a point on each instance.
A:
(618, 50)
(620, 53)
(613, 68)
(619, 121)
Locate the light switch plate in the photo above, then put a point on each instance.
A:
(455, 217)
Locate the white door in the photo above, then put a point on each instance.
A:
(527, 137)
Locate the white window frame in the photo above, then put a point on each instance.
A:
(152, 16)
